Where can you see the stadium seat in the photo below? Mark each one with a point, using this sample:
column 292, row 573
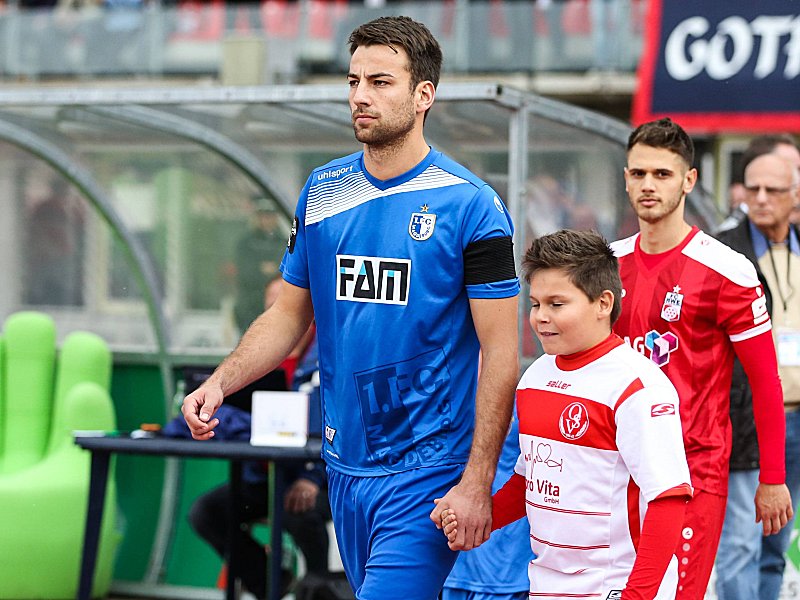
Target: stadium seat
column 44, row 477
column 280, row 18
column 576, row 18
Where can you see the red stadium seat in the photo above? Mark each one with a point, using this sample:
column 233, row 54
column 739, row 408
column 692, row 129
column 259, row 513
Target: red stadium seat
column 199, row 21
column 280, row 18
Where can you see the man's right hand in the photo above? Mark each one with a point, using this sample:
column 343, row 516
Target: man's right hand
column 198, row 409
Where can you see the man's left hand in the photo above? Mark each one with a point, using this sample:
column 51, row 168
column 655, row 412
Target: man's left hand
column 474, row 509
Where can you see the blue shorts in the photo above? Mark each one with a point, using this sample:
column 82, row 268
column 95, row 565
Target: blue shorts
column 457, row 594
column 390, row 548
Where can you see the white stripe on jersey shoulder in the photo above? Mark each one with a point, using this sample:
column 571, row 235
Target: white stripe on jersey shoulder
column 330, row 198
column 721, row 258
column 625, row 246
column 752, row 332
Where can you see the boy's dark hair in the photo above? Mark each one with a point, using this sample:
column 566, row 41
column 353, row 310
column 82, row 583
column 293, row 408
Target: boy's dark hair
column 585, row 257
column 424, row 53
column 664, row 133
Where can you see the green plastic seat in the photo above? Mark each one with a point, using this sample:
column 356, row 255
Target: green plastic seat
column 44, row 477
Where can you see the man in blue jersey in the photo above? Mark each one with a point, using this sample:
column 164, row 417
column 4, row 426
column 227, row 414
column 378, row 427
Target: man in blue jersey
column 405, row 260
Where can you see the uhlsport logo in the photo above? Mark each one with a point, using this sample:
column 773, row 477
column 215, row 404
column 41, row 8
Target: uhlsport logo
column 334, row 173
column 660, row 345
column 372, row 279
column 574, row 421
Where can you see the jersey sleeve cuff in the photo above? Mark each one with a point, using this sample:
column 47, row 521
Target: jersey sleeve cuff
column 296, row 281
column 499, row 289
column 683, row 489
column 772, row 477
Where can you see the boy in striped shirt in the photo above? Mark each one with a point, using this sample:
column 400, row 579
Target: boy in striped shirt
column 602, row 472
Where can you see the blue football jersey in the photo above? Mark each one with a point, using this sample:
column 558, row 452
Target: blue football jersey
column 398, row 352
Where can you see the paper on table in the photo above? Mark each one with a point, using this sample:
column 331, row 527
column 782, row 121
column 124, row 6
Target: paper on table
column 279, row 419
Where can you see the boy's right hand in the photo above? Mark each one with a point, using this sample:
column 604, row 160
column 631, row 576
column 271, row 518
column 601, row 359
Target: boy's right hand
column 199, row 407
column 450, row 526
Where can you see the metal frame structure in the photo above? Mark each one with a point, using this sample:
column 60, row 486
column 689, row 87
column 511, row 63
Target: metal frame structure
column 144, row 108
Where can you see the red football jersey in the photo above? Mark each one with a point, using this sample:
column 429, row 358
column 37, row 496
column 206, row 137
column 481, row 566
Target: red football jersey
column 684, row 309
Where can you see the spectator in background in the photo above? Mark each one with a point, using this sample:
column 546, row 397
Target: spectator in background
column 305, row 500
column 54, row 273
column 258, row 256
column 243, row 16
column 737, row 194
column 782, row 144
column 549, row 204
column 788, row 149
column 750, row 565
column 609, row 21
column 553, row 13
column 737, row 207
column 113, row 40
column 46, row 28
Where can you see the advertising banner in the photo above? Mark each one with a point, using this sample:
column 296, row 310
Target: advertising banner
column 715, row 66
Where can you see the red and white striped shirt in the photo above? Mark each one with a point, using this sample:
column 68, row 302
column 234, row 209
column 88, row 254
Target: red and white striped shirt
column 600, row 437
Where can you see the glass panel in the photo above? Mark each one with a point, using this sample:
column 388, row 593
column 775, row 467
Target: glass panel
column 575, row 180
column 57, row 256
column 207, row 190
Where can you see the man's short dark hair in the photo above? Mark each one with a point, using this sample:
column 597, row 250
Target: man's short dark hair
column 424, row 53
column 760, row 145
column 586, row 259
column 664, row 133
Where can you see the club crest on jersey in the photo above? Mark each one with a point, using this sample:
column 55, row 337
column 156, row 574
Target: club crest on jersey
column 671, row 310
column 421, row 226
column 574, row 421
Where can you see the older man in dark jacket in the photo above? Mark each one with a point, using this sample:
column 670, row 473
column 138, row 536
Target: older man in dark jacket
column 749, row 565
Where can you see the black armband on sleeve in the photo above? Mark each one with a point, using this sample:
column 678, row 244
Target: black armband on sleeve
column 489, row 261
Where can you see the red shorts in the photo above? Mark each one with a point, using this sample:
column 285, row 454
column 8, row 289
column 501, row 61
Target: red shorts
column 697, row 548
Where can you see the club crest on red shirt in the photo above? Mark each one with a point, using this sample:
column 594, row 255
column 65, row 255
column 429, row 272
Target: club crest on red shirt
column 671, row 309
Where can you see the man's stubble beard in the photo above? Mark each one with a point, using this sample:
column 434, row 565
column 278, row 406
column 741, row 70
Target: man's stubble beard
column 650, row 217
column 384, row 137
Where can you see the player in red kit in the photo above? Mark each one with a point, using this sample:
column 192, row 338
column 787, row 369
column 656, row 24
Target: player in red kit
column 688, row 303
